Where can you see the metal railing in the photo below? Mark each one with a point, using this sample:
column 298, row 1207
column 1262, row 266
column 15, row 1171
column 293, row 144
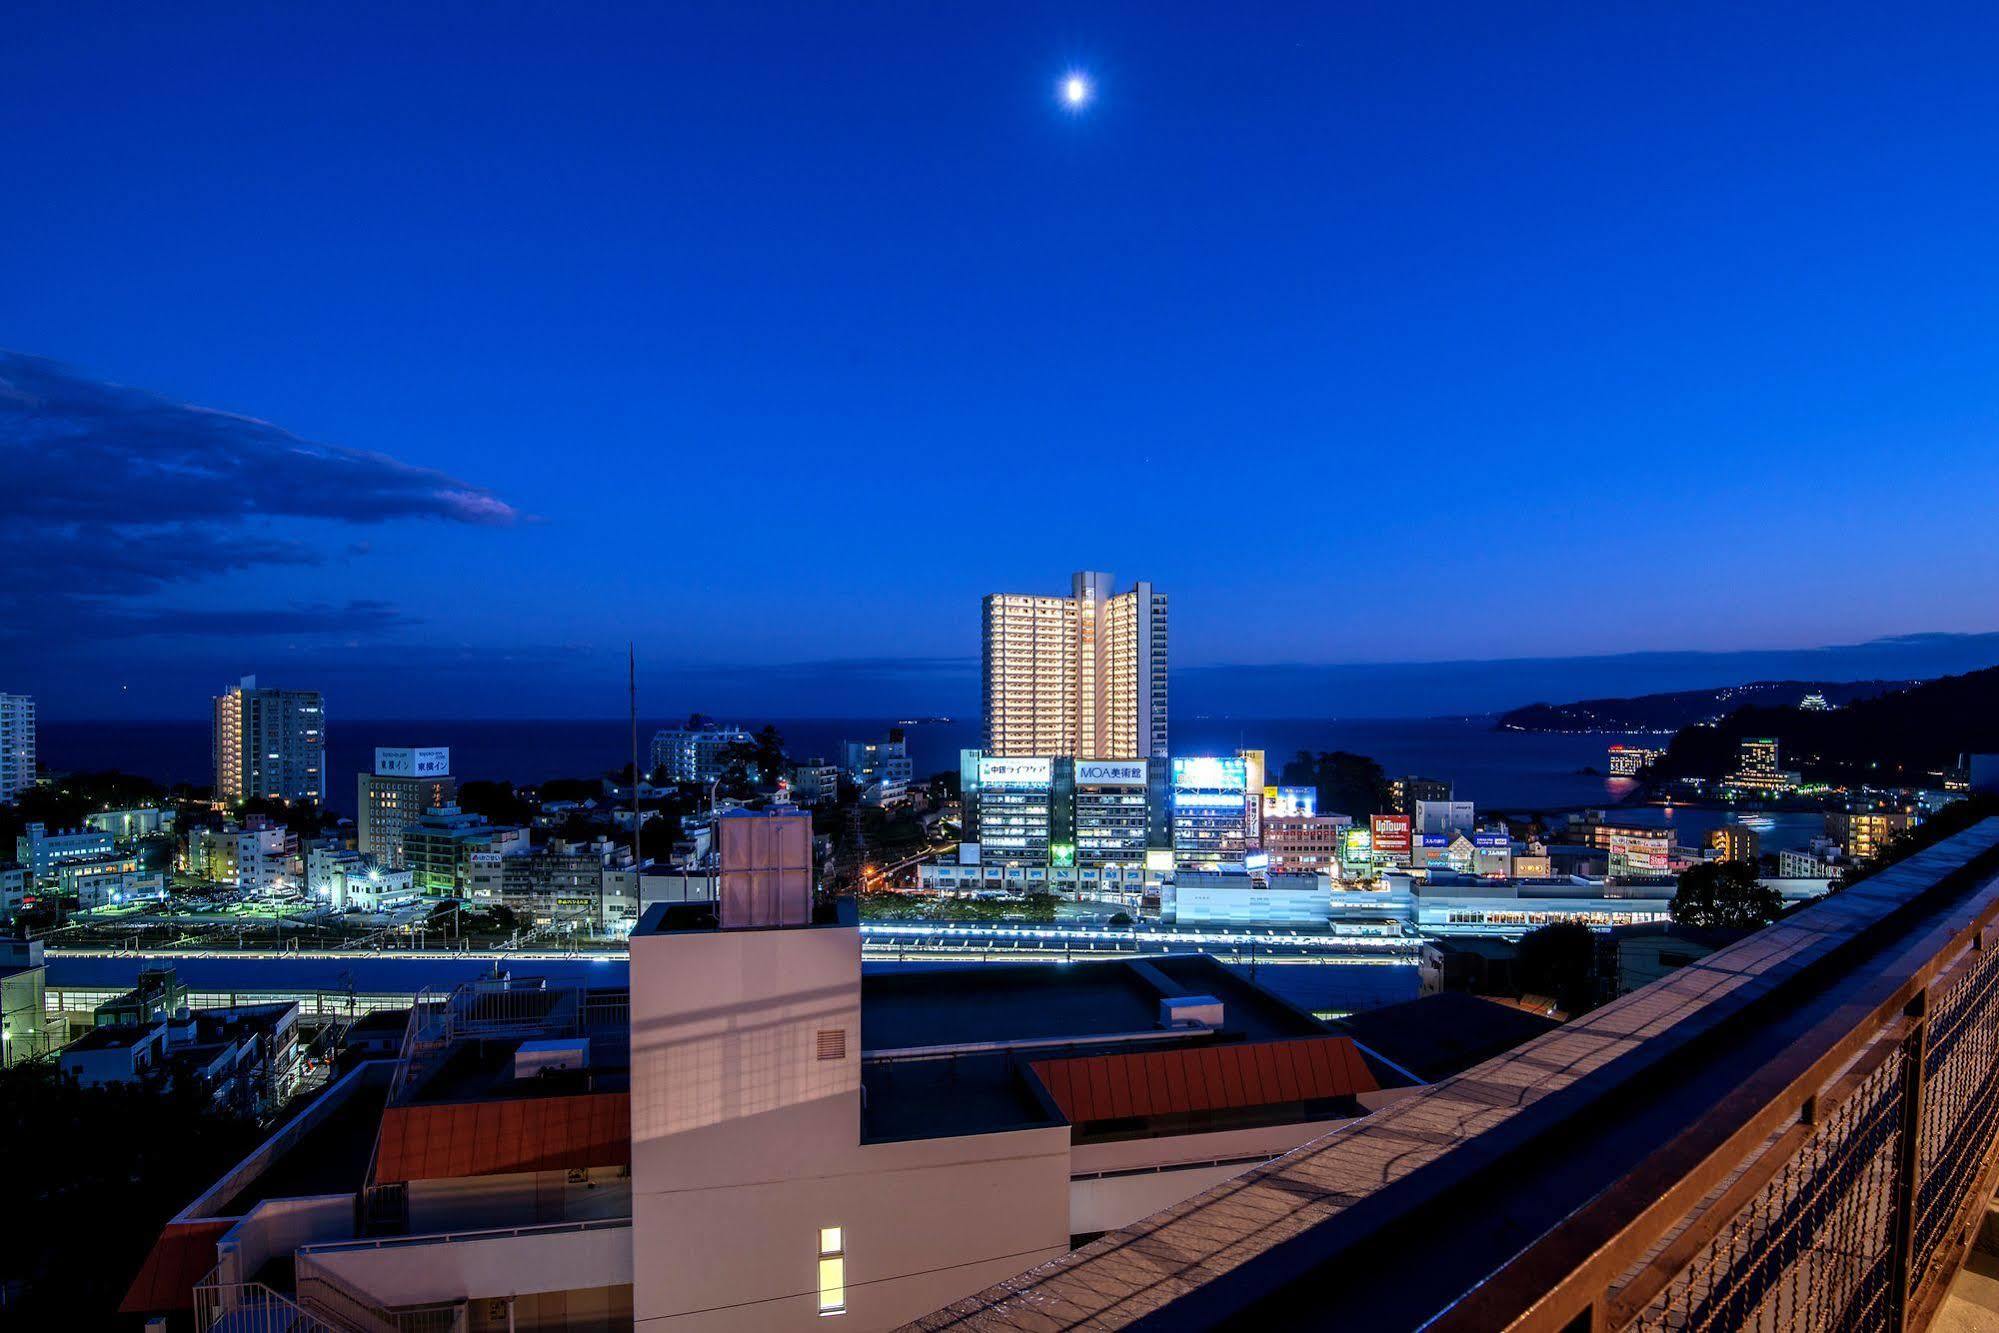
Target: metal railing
column 341, row 1304
column 253, row 1307
column 1800, row 1131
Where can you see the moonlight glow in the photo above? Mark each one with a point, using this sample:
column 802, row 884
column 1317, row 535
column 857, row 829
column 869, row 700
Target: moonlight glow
column 1076, row 91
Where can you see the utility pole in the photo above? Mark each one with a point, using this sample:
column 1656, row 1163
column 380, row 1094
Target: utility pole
column 632, row 664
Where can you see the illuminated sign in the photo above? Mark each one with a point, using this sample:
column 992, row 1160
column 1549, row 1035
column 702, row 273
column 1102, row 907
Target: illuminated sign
column 405, row 762
column 1158, row 860
column 1391, row 834
column 1491, row 840
column 1016, row 772
column 1111, row 772
column 1211, row 774
column 1356, row 842
column 1433, row 840
column 1290, row 802
column 1256, row 861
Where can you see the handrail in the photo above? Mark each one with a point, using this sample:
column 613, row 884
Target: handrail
column 451, row 1237
column 1795, row 1131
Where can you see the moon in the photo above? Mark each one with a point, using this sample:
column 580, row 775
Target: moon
column 1076, row 91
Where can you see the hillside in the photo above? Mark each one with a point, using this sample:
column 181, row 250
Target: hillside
column 1686, row 708
column 1891, row 739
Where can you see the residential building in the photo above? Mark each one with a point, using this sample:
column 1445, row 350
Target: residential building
column 695, row 754
column 1405, row 793
column 269, row 744
column 1084, row 674
column 881, row 769
column 247, row 1057
column 41, row 851
column 1794, row 864
column 815, row 781
column 1862, row 833
column 405, row 782
column 1733, row 842
column 13, row 889
column 17, row 745
column 438, row 847
column 258, row 856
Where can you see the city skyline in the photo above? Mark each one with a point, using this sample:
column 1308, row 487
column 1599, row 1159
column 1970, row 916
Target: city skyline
column 1481, row 340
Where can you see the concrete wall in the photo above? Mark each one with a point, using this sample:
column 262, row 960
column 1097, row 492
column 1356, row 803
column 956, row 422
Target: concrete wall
column 745, row 1142
column 415, row 1270
column 1116, row 1184
column 522, row 1199
column 278, row 1227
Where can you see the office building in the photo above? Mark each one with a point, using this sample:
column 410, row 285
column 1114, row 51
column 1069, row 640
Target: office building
column 40, row 852
column 27, row 1030
column 269, row 744
column 881, row 769
column 438, row 847
column 569, row 883
column 1119, row 812
column 1078, row 675
column 695, row 754
column 1304, row 843
column 1211, row 803
column 405, row 783
column 17, row 745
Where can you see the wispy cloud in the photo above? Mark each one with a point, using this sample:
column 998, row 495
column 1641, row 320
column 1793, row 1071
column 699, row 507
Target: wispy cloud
column 114, row 494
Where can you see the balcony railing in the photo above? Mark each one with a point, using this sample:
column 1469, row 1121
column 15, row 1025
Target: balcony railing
column 1796, row 1132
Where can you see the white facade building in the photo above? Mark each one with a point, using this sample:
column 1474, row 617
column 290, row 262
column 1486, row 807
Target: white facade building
column 17, row 745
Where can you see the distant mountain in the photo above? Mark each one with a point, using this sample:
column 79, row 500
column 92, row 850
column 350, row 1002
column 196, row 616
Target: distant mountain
column 1889, row 740
column 1686, row 708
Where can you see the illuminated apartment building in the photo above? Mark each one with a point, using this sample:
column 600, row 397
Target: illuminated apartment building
column 1078, row 675
column 17, row 745
column 270, row 743
column 1863, row 833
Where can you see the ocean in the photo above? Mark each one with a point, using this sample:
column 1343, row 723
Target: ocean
column 1499, row 770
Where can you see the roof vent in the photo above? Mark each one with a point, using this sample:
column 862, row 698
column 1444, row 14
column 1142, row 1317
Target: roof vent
column 1187, row 1011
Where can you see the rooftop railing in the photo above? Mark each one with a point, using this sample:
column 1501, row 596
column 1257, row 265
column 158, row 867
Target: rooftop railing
column 1800, row 1131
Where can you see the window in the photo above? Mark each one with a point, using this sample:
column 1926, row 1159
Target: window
column 832, row 1271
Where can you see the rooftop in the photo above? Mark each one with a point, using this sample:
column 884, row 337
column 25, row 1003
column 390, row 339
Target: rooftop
column 1439, row 1035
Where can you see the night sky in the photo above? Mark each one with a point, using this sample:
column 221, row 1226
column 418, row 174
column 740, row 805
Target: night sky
column 428, row 357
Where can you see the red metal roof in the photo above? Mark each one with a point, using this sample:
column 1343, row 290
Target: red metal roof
column 1204, row 1078
column 180, row 1258
column 492, row 1138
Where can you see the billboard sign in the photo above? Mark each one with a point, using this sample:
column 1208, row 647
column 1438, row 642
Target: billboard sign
column 1111, row 772
column 1290, row 802
column 1391, row 834
column 1016, row 772
column 1211, row 774
column 406, row 762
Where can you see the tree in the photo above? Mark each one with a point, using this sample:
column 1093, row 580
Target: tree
column 1726, row 894
column 1348, row 784
column 1559, row 961
column 769, row 746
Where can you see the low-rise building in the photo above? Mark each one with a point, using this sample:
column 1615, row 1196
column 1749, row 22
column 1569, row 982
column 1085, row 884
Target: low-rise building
column 881, row 769
column 41, row 851
column 259, row 856
column 130, row 825
column 246, row 1057
column 815, row 781
column 438, row 847
column 1302, row 843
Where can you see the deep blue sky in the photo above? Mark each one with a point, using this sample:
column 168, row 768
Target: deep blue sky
column 774, row 335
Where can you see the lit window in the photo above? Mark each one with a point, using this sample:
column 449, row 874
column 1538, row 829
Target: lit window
column 832, row 1271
